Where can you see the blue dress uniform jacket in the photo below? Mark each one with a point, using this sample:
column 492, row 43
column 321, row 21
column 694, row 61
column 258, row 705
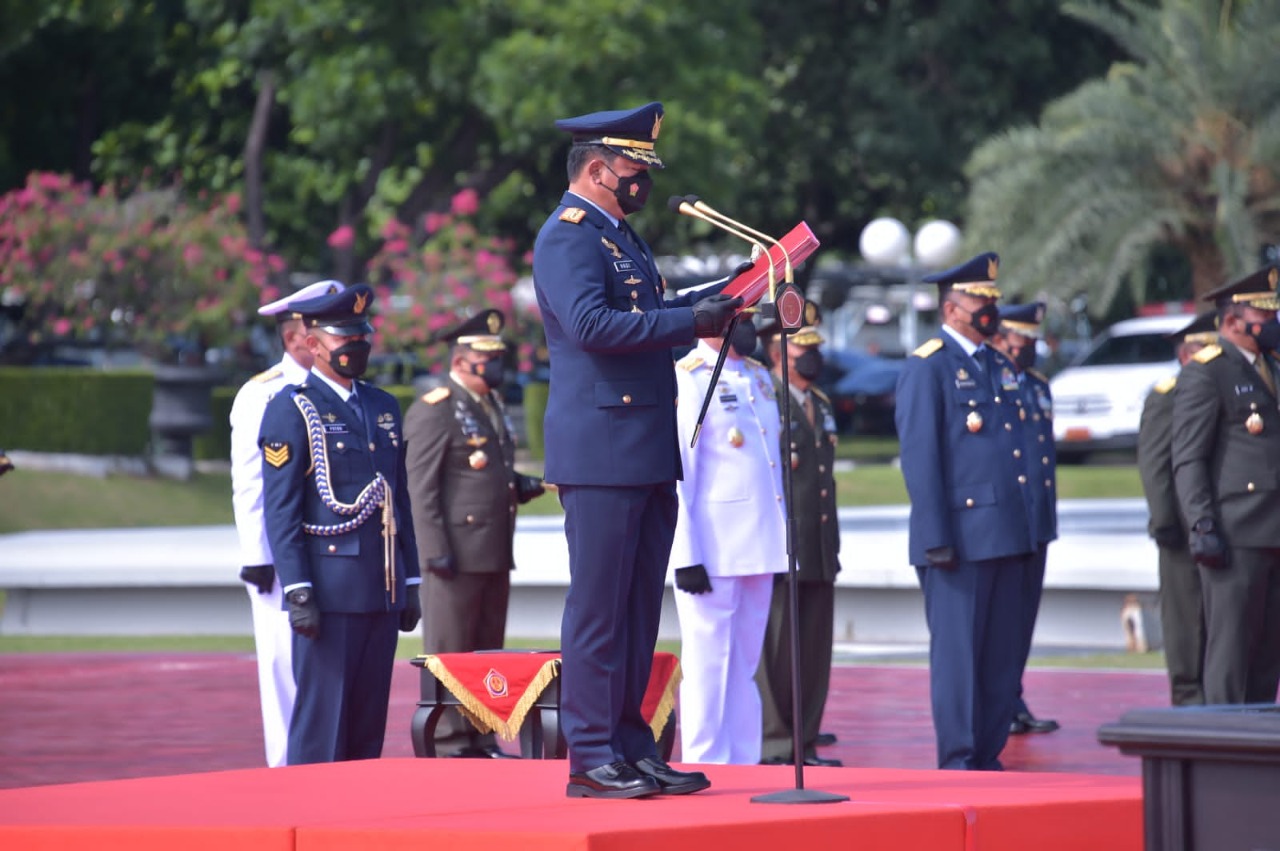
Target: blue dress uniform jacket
column 344, row 673
column 611, row 415
column 959, row 430
column 1041, row 455
column 611, row 447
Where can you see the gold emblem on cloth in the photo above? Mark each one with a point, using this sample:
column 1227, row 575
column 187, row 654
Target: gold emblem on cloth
column 478, row 460
column 736, row 438
column 973, row 422
column 1254, row 423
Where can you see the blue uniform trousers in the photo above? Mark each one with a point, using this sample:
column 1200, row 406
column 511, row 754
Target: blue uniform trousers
column 974, row 612
column 619, row 542
column 344, row 685
column 1031, row 591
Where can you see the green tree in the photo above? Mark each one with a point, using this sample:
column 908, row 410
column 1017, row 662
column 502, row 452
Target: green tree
column 1177, row 148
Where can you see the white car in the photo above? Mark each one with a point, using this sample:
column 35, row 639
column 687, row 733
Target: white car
column 1097, row 401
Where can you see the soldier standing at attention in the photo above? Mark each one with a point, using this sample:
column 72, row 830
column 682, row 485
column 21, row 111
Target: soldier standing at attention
column 816, row 541
column 1226, row 467
column 611, row 445
column 1181, row 603
column 338, row 521
column 1016, row 340
column 970, row 530
column 463, row 484
column 272, row 637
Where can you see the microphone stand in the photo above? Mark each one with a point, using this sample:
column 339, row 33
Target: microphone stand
column 715, row 379
column 799, row 794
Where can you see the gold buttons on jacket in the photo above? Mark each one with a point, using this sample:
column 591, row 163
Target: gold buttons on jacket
column 973, row 422
column 471, row 518
column 822, row 492
column 1017, row 453
column 333, row 548
column 1249, row 487
column 372, row 447
column 340, row 445
column 1022, row 480
column 968, row 503
column 626, row 399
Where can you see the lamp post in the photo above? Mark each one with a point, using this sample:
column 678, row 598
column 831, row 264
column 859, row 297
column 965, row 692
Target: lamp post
column 886, row 242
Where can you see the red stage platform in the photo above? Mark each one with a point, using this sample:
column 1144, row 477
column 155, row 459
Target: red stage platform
column 477, row 805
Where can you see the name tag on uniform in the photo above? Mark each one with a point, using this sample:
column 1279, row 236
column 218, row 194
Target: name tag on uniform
column 624, row 265
column 1242, row 389
column 965, row 384
column 336, row 428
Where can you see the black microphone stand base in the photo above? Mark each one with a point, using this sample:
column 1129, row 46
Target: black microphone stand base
column 799, row 796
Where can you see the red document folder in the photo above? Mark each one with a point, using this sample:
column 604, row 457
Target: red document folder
column 753, row 284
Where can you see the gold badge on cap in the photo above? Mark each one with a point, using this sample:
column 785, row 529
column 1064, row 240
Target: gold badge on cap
column 361, row 300
column 478, row 460
column 973, row 422
column 494, row 322
column 736, row 438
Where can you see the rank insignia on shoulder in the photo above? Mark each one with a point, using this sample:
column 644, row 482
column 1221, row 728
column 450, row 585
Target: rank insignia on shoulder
column 573, row 215
column 823, row 396
column 1038, row 375
column 928, row 347
column 276, row 454
column 1166, row 384
column 1207, row 354
column 436, row 396
column 690, row 362
column 267, row 375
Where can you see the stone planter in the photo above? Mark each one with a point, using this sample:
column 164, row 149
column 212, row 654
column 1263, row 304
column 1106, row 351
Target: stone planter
column 180, row 409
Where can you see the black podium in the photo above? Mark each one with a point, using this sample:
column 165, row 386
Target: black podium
column 1210, row 775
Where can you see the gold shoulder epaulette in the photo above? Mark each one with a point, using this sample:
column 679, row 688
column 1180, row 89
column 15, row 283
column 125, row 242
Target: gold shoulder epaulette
column 573, row 215
column 1164, row 385
column 755, row 362
column 436, row 396
column 1207, row 354
column 820, row 394
column 690, row 362
column 267, row 375
column 928, row 347
column 1035, row 373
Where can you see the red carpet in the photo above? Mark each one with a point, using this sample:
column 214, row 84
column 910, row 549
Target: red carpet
column 473, row 805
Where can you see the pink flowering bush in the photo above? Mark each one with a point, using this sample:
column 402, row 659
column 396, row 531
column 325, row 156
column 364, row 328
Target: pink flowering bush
column 431, row 279
column 144, row 269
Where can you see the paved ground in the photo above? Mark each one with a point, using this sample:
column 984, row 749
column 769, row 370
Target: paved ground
column 77, row 717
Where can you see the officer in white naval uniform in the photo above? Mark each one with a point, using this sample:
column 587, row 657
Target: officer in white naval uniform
column 730, row 541
column 272, row 636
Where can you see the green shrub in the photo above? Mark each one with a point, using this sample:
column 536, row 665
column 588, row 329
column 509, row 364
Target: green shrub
column 535, row 406
column 85, row 411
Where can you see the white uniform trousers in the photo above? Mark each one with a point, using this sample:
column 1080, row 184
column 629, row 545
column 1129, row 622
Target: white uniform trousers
column 273, row 640
column 721, row 637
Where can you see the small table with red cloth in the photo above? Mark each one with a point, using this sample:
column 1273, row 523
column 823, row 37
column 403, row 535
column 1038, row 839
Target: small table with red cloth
column 497, row 689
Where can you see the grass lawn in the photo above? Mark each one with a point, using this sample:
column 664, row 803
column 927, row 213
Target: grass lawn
column 31, row 499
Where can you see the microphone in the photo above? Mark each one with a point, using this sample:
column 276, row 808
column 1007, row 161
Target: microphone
column 788, row 301
column 686, row 208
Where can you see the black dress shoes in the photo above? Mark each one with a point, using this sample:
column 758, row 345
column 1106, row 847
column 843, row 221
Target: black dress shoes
column 615, row 780
column 823, row 740
column 483, row 752
column 1025, row 722
column 822, row 761
column 670, row 781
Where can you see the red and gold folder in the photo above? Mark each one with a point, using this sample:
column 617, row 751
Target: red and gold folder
column 753, row 284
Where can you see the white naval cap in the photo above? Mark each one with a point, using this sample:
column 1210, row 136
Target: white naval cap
column 315, row 290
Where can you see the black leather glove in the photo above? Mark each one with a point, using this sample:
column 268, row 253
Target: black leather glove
column 744, row 266
column 944, row 557
column 446, row 567
column 693, row 580
column 1207, row 547
column 412, row 611
column 1169, row 537
column 711, row 315
column 261, row 575
column 304, row 614
column 528, row 487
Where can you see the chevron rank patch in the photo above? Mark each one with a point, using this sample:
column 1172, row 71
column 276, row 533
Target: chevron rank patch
column 276, row 453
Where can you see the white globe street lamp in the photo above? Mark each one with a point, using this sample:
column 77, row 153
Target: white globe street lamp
column 886, row 242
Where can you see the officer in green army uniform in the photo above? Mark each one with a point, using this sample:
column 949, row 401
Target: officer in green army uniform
column 1181, row 604
column 464, row 488
column 816, row 541
column 1226, row 467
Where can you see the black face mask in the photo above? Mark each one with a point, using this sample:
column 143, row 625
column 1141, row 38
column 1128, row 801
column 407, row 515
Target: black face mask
column 809, row 365
column 350, row 360
column 490, row 371
column 632, row 192
column 744, row 338
column 1025, row 357
column 985, row 320
column 1267, row 334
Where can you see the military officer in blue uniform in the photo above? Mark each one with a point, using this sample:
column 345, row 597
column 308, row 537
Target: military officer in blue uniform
column 971, row 534
column 272, row 637
column 611, row 444
column 1016, row 340
column 1226, row 468
column 338, row 522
